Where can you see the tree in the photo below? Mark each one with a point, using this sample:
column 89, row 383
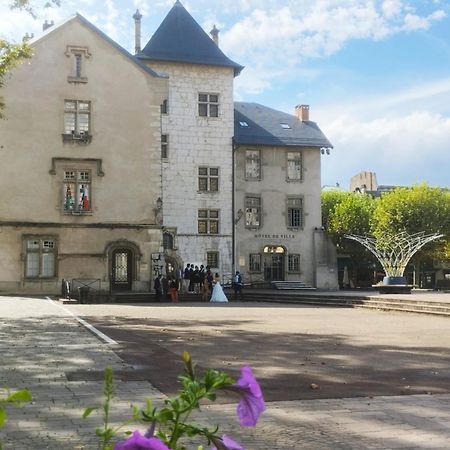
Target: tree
column 417, row 209
column 349, row 213
column 13, row 54
column 330, row 199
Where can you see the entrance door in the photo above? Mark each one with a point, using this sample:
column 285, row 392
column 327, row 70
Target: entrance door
column 121, row 269
column 273, row 263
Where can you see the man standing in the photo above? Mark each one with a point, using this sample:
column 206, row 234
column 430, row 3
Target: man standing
column 158, row 288
column 186, row 277
column 237, row 286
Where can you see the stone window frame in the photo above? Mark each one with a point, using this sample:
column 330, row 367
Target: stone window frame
column 208, row 179
column 255, row 262
column 81, row 181
column 253, row 156
column 61, row 165
column 208, row 104
column 79, row 54
column 43, row 248
column 252, row 207
column 293, row 265
column 78, row 132
column 295, row 212
column 296, row 159
column 212, row 259
column 208, row 221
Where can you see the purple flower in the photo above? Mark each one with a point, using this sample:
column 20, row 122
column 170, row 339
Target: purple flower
column 138, row 442
column 252, row 403
column 226, row 443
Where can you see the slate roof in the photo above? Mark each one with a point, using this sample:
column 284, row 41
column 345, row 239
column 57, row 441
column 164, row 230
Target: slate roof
column 264, row 128
column 180, row 38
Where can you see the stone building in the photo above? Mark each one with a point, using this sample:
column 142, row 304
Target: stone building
column 196, row 131
column 81, row 163
column 117, row 175
column 277, row 197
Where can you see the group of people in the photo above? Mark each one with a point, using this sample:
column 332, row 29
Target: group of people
column 196, row 280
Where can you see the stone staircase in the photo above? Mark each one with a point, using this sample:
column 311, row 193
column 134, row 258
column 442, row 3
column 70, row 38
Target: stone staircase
column 293, row 285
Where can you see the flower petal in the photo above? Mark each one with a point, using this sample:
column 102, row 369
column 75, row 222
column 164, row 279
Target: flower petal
column 138, row 442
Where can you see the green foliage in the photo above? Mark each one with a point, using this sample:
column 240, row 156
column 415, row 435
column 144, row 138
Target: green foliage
column 16, row 398
column 171, row 422
column 417, row 209
column 330, row 199
column 351, row 216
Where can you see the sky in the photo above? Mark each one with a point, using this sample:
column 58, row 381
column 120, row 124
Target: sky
column 376, row 73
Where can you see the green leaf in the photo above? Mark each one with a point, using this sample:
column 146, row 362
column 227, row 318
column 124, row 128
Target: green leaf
column 2, row 416
column 23, row 395
column 88, row 411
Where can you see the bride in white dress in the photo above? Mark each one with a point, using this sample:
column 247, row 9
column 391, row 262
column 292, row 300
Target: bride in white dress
column 218, row 296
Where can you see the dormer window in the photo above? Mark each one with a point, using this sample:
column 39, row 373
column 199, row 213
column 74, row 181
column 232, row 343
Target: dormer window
column 285, row 126
column 78, row 55
column 243, row 124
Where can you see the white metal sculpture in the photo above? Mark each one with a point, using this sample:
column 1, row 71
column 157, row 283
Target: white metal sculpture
column 395, row 251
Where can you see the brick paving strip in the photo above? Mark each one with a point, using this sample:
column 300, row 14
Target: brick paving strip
column 42, row 348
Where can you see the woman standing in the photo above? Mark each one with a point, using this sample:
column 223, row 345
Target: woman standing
column 218, row 296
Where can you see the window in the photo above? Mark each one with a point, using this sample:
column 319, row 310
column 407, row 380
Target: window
column 252, row 212
column 285, row 126
column 77, row 117
column 252, row 164
column 164, row 107
column 295, row 212
column 77, row 191
column 208, row 221
column 208, row 179
column 254, row 262
column 164, row 146
column 293, row 263
column 168, row 241
column 208, row 105
column 294, row 166
column 78, row 56
column 212, row 259
column 40, row 257
column 243, row 124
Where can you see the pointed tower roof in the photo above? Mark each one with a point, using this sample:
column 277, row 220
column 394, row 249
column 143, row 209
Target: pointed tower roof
column 180, row 38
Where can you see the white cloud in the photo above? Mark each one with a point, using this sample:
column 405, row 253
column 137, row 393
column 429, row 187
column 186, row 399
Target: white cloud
column 403, row 150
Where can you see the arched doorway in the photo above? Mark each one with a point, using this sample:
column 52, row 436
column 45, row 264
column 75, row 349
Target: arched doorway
column 122, row 263
column 122, row 269
column 274, row 260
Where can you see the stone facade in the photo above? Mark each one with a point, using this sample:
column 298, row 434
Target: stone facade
column 272, row 247
column 45, row 234
column 193, row 142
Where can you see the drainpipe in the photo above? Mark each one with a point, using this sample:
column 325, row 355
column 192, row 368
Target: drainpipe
column 234, row 147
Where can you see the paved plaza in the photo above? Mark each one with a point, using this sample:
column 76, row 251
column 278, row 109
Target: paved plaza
column 382, row 380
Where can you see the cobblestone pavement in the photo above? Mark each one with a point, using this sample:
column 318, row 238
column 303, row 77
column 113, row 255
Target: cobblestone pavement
column 47, row 350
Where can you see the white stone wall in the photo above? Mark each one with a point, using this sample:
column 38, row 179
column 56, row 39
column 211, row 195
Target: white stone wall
column 197, row 141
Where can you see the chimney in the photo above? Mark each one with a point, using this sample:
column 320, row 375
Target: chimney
column 302, row 112
column 215, row 35
column 27, row 37
column 137, row 31
column 47, row 25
